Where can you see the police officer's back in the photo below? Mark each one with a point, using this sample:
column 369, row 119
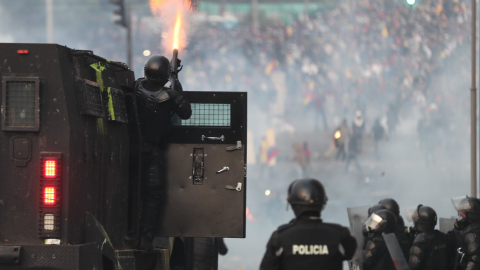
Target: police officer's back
column 307, row 242
column 430, row 247
column 376, row 255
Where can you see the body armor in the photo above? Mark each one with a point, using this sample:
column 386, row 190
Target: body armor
column 376, row 255
column 156, row 108
column 429, row 251
column 469, row 254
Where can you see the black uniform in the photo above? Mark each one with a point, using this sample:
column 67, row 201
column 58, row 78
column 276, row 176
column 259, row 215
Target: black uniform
column 429, row 251
column 155, row 109
column 470, row 245
column 308, row 243
column 376, row 255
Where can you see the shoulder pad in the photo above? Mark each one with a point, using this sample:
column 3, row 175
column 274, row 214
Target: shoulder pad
column 472, row 243
column 470, row 238
column 474, row 227
column 420, row 238
column 286, row 226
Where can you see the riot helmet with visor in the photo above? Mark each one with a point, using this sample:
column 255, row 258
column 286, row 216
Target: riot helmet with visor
column 468, row 209
column 423, row 217
column 391, row 205
column 383, row 221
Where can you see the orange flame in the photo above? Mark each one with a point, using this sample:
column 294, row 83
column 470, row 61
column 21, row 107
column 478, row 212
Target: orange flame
column 176, row 32
column 338, row 134
column 172, row 15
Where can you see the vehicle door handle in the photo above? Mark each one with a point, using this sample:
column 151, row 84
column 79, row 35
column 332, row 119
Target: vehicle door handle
column 237, row 188
column 224, row 169
column 221, row 138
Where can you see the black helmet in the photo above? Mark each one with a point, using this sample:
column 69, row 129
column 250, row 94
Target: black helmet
column 157, row 69
column 375, row 209
column 306, row 195
column 391, row 205
column 424, row 218
column 467, row 207
column 383, row 221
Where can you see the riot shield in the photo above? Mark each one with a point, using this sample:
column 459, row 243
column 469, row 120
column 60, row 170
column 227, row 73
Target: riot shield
column 206, row 172
column 447, row 224
column 395, row 251
column 357, row 217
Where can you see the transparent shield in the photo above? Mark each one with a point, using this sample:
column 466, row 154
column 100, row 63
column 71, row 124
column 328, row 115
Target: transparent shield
column 395, row 251
column 374, row 221
column 447, row 224
column 411, row 213
column 357, row 217
column 461, row 204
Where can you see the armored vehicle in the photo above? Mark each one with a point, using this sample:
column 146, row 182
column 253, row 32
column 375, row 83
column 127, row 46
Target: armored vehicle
column 69, row 167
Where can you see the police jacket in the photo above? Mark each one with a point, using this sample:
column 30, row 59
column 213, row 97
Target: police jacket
column 429, row 251
column 376, row 255
column 156, row 108
column 308, row 243
column 470, row 246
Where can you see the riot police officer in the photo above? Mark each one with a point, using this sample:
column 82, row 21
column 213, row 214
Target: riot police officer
column 307, row 242
column 156, row 105
column 467, row 232
column 404, row 239
column 367, row 233
column 375, row 255
column 429, row 250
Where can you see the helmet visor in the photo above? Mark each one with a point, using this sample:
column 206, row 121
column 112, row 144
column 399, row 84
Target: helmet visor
column 374, row 221
column 411, row 214
column 461, row 204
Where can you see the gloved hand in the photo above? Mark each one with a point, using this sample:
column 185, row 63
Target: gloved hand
column 176, row 96
column 179, row 67
column 178, row 86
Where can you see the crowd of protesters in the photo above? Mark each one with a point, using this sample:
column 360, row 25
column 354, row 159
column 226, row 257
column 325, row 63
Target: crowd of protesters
column 337, row 60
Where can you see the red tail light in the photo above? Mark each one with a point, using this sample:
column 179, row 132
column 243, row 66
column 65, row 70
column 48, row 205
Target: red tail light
column 50, row 189
column 50, row 168
column 49, row 196
column 23, row 52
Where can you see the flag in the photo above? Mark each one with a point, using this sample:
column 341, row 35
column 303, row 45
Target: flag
column 272, row 153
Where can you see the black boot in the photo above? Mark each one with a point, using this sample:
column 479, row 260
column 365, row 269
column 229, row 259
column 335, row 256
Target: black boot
column 146, row 240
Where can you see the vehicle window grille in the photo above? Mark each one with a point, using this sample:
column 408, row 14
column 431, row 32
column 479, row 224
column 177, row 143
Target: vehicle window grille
column 20, row 104
column 119, row 109
column 90, row 99
column 207, row 114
